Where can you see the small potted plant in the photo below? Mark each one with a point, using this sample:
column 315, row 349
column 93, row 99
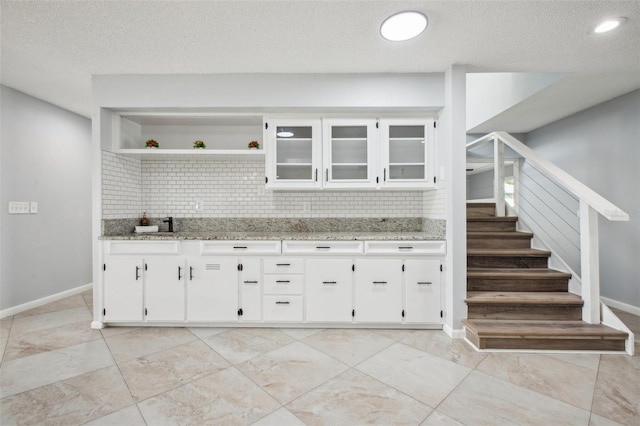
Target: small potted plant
column 151, row 143
column 254, row 145
column 199, row 145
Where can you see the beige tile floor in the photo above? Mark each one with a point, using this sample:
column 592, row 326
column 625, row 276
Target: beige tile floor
column 56, row 370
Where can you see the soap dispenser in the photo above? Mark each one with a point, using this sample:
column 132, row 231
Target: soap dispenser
column 144, row 221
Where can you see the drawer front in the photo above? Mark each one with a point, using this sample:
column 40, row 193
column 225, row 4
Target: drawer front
column 283, row 308
column 143, row 247
column 283, row 266
column 240, row 247
column 282, row 284
column 322, row 247
column 405, row 247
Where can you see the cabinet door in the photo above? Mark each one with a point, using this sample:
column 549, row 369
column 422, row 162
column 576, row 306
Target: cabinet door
column 164, row 288
column 123, row 289
column 293, row 153
column 212, row 289
column 251, row 290
column 408, row 153
column 329, row 290
column 422, row 291
column 378, row 290
column 349, row 153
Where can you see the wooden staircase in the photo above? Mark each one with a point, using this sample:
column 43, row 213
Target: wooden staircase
column 514, row 300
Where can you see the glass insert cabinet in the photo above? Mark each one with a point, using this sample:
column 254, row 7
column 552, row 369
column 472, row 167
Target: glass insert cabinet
column 293, row 153
column 349, row 153
column 349, row 148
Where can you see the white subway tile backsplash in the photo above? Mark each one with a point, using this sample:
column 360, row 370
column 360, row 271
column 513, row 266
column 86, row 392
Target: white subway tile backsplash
column 236, row 189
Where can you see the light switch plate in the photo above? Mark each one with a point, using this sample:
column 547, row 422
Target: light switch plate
column 18, row 207
column 34, row 207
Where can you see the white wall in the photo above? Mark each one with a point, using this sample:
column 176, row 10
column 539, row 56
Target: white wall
column 601, row 147
column 489, row 94
column 46, row 153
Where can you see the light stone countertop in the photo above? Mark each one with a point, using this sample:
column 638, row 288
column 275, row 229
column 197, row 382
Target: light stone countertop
column 303, row 236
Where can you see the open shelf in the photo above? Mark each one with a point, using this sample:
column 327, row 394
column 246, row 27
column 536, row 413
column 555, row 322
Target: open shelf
column 196, row 154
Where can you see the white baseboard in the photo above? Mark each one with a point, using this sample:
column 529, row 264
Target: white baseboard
column 635, row 310
column 36, row 303
column 454, row 333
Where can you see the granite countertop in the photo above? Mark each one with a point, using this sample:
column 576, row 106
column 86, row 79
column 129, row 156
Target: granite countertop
column 309, row 236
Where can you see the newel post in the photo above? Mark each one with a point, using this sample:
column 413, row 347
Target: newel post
column 498, row 176
column 589, row 263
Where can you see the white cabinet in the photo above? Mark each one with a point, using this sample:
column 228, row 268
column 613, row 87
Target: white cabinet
column 283, row 289
column 250, row 290
column 123, row 289
column 378, row 290
column 313, row 282
column 349, row 153
column 164, row 288
column 293, row 153
column 212, row 289
column 407, row 153
column 422, row 291
column 329, row 290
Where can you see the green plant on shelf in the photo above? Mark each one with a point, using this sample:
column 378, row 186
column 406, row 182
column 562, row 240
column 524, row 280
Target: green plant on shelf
column 151, row 143
column 199, row 145
column 254, row 145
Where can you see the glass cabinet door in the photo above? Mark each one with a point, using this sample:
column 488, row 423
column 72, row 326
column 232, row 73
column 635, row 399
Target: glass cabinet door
column 294, row 154
column 407, row 153
column 349, row 152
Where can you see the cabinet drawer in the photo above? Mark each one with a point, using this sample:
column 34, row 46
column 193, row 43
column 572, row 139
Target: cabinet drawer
column 283, row 266
column 282, row 308
column 322, row 247
column 282, row 284
column 143, row 247
column 240, row 247
column 405, row 247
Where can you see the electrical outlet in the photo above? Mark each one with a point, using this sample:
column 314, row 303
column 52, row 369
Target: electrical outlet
column 33, row 207
column 18, row 207
column 199, row 205
column 306, row 206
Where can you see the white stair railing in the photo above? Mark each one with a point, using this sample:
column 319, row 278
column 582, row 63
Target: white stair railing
column 591, row 204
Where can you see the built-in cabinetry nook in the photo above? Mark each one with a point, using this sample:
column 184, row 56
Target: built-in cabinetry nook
column 339, row 283
column 299, row 153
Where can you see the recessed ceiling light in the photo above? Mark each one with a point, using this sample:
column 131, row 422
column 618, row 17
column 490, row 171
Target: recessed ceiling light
column 403, row 26
column 608, row 25
column 284, row 134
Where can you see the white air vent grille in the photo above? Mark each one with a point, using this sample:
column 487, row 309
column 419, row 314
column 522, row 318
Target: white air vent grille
column 212, row 267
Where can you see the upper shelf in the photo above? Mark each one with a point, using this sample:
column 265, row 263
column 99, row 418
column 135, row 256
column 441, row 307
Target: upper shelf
column 225, row 136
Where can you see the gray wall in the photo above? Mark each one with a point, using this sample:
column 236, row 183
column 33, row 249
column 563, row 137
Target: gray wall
column 45, row 157
column 601, row 147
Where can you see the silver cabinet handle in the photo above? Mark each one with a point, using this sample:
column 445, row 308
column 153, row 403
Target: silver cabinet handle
column 379, row 282
column 424, row 283
column 251, row 282
column 282, row 303
column 329, row 282
column 283, row 281
column 283, row 264
column 323, row 247
column 240, row 247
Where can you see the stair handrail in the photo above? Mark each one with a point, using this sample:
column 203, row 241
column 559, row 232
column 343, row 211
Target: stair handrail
column 603, row 206
column 590, row 203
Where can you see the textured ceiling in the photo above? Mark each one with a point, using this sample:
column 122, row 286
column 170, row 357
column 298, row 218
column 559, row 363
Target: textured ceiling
column 51, row 49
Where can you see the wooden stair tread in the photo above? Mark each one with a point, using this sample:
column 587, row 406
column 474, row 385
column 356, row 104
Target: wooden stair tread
column 480, row 204
column 521, row 252
column 492, row 218
column 485, row 328
column 499, row 234
column 515, row 273
column 523, row 298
